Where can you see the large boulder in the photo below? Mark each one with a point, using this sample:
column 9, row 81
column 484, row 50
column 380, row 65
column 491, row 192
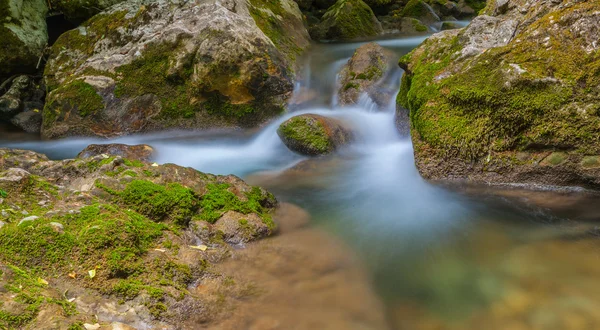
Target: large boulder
column 147, row 65
column 80, row 10
column 314, row 135
column 347, row 20
column 512, row 98
column 23, row 35
column 364, row 73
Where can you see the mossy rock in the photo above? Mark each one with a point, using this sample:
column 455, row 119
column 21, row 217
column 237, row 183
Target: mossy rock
column 313, row 135
column 536, row 91
column 116, row 231
column 420, row 10
column 24, row 35
column 347, row 20
column 235, row 75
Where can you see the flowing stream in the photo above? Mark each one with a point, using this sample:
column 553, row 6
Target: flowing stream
column 461, row 258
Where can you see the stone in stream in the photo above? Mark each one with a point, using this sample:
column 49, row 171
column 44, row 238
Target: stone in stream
column 512, row 98
column 364, row 73
column 314, row 135
column 142, row 152
column 147, row 65
column 347, row 20
column 420, row 10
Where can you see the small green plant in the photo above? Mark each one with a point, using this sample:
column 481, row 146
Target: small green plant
column 3, row 194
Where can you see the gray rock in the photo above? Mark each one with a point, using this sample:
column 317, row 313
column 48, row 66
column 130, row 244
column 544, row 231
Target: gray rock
column 217, row 67
column 58, row 227
column 11, row 102
column 364, row 74
column 142, row 152
column 486, row 32
column 29, row 121
column 28, row 219
column 238, row 228
column 24, row 35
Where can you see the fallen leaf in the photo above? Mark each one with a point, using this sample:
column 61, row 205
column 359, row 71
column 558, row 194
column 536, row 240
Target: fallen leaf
column 73, row 275
column 92, row 273
column 160, row 250
column 155, row 165
column 42, row 281
column 199, row 247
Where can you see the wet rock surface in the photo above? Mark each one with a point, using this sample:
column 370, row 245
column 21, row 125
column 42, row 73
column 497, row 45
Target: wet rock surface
column 364, row 74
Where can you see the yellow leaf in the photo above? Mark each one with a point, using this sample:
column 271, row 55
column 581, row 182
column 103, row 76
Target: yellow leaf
column 42, row 281
column 199, row 247
column 92, row 273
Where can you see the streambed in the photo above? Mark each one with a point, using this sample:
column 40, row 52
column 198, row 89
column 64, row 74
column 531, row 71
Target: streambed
column 428, row 257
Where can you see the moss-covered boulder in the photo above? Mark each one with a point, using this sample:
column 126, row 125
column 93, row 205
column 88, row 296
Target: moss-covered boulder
column 23, row 35
column 314, row 135
column 347, row 20
column 80, row 10
column 420, row 10
column 108, row 239
column 148, row 65
column 364, row 74
column 511, row 98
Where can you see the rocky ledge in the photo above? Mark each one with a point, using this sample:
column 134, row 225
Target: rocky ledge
column 108, row 240
column 512, row 98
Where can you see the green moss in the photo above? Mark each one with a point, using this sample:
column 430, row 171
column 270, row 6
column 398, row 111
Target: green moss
column 590, row 162
column 76, row 96
column 420, row 27
column 489, row 106
column 414, row 8
column 273, row 20
column 556, row 158
column 308, row 131
column 158, row 202
column 351, row 85
column 349, row 19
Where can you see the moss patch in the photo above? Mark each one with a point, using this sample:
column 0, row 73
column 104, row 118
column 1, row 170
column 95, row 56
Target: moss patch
column 307, row 132
column 349, row 19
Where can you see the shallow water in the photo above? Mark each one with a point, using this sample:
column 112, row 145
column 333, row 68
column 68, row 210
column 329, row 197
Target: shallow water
column 464, row 258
